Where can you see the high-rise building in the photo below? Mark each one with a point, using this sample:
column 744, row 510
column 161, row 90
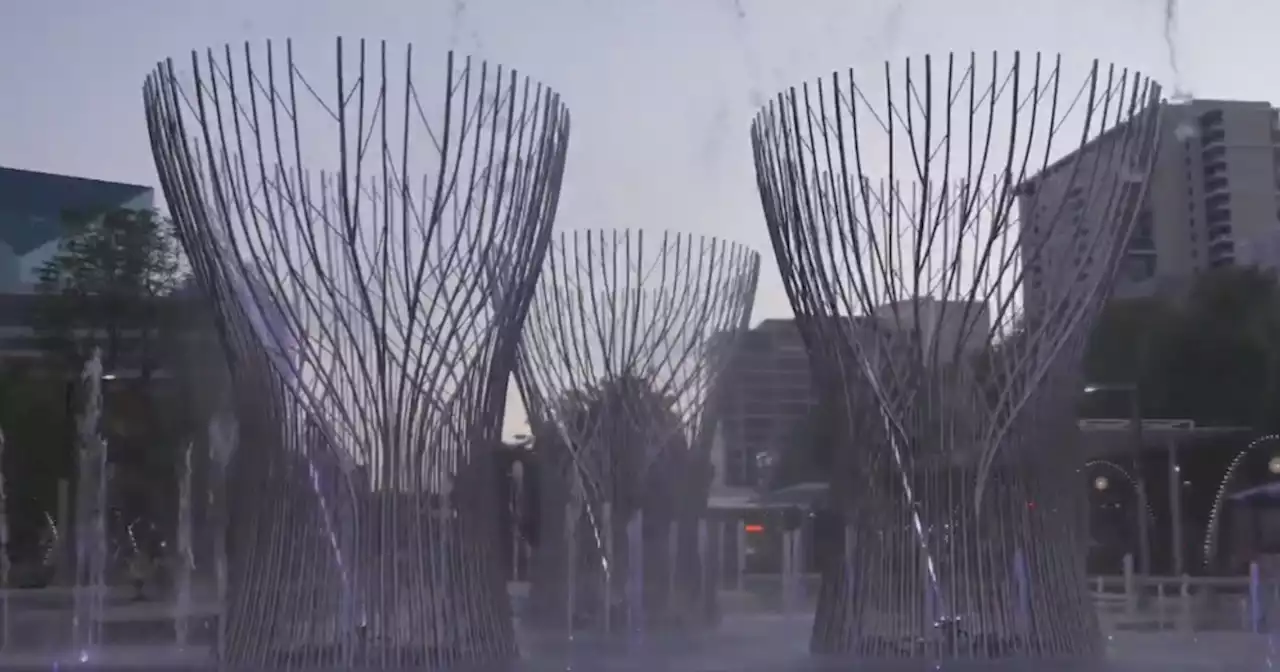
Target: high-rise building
column 1213, row 200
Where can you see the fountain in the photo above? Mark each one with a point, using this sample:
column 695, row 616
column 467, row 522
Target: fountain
column 223, row 440
column 91, row 534
column 186, row 560
column 4, row 555
column 635, row 576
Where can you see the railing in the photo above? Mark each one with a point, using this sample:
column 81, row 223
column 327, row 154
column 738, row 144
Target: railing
column 1125, row 603
column 1185, row 603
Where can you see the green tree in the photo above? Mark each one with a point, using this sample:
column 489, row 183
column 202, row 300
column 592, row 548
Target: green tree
column 1128, row 344
column 1220, row 366
column 33, row 420
column 109, row 286
column 632, row 444
column 1213, row 356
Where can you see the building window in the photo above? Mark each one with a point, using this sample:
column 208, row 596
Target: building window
column 1139, row 268
column 1211, row 118
column 1215, row 184
column 1217, row 216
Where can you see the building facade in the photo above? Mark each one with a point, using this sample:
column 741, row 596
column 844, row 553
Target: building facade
column 33, row 210
column 1213, row 200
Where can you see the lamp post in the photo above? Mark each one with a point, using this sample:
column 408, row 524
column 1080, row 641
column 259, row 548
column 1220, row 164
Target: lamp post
column 1139, row 481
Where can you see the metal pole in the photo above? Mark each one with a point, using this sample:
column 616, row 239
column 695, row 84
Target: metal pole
column 1175, row 508
column 1144, row 534
column 740, row 553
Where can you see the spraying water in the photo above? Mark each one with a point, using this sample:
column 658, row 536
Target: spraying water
column 635, row 577
column 186, row 560
column 91, row 532
column 1171, row 48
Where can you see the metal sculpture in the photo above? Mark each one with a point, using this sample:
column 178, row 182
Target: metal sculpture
column 370, row 349
column 625, row 337
column 945, row 307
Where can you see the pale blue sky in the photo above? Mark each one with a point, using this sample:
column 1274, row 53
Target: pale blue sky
column 661, row 91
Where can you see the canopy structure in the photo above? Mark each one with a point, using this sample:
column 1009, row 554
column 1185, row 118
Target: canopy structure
column 1108, row 437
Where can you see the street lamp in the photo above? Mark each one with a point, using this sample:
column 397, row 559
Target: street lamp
column 1135, row 424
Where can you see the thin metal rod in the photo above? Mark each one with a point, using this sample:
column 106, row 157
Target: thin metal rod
column 944, row 304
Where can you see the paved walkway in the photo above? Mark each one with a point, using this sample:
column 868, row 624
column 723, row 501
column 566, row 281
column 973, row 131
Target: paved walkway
column 745, row 642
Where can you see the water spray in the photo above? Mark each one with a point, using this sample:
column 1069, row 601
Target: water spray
column 1180, row 92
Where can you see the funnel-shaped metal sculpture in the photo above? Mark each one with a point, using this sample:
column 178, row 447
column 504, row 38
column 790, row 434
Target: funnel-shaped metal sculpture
column 945, row 305
column 342, row 226
column 625, row 338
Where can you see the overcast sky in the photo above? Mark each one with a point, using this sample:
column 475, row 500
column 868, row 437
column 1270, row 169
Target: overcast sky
column 661, row 91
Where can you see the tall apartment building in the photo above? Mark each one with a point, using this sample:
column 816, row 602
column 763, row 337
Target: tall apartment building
column 1213, row 200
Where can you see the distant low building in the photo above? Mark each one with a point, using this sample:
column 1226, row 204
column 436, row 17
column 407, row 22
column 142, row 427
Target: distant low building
column 33, row 210
column 33, row 207
column 764, row 391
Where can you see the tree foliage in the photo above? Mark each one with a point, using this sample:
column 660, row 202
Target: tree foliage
column 103, row 285
column 624, row 427
column 109, row 286
column 1213, row 356
column 35, row 426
